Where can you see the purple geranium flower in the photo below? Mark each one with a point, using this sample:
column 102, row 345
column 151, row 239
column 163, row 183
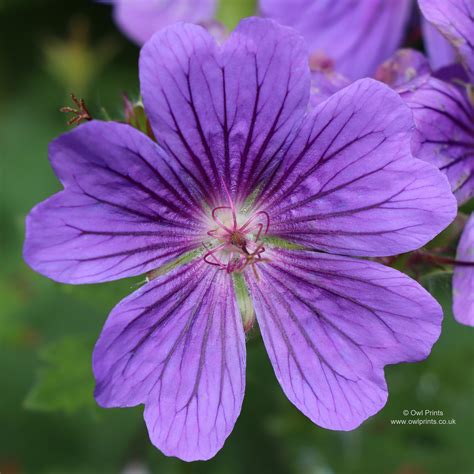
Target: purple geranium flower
column 442, row 103
column 140, row 19
column 240, row 166
column 357, row 34
column 454, row 19
column 443, row 109
column 444, row 118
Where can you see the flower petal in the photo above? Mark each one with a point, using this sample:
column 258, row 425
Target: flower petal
column 406, row 70
column 349, row 183
column 123, row 212
column 140, row 19
column 330, row 324
column 444, row 119
column 177, row 345
column 371, row 30
column 225, row 112
column 454, row 19
column 324, row 84
column 463, row 278
column 440, row 51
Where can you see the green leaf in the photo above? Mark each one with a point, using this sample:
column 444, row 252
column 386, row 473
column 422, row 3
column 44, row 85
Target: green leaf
column 65, row 383
column 439, row 284
column 468, row 207
column 231, row 12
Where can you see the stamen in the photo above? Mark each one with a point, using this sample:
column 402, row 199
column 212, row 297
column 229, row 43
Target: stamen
column 79, row 114
column 238, row 247
column 231, row 204
column 255, row 216
column 211, row 253
column 219, row 222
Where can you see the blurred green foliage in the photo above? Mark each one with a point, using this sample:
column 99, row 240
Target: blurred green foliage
column 49, row 421
column 230, row 12
column 65, row 384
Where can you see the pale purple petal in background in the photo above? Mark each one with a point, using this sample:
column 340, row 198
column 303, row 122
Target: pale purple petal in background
column 405, row 70
column 177, row 345
column 123, row 211
column 357, row 34
column 444, row 118
column 140, row 19
column 463, row 278
column 454, row 19
column 349, row 183
column 330, row 324
column 325, row 83
column 226, row 112
column 217, row 29
column 439, row 50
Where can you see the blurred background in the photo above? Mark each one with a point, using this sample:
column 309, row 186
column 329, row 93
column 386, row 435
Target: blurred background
column 49, row 422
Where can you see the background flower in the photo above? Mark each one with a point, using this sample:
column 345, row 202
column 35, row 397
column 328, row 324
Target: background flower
column 372, row 29
column 453, row 19
column 438, row 49
column 444, row 108
column 442, row 102
column 139, row 19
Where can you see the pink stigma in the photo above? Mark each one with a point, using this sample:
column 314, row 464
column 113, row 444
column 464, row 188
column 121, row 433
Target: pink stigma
column 238, row 245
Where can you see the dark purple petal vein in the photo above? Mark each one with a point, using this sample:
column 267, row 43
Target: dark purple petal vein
column 225, row 112
column 349, row 183
column 444, row 119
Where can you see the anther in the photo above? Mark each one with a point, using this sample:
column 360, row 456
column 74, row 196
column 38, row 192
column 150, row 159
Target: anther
column 79, row 114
